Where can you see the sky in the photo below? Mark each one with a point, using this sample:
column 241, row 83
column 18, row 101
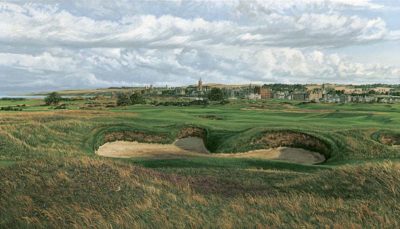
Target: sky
column 48, row 45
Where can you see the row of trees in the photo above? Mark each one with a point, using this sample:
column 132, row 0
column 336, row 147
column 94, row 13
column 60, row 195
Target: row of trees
column 216, row 94
column 124, row 99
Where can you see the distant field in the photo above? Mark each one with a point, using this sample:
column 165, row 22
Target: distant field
column 51, row 176
column 91, row 92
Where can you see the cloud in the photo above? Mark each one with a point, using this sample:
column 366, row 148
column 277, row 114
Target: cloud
column 297, row 66
column 52, row 27
column 62, row 44
column 257, row 8
column 394, row 35
column 41, row 63
column 92, row 68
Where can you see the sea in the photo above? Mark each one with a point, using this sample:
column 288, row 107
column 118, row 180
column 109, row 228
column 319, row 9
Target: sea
column 23, row 96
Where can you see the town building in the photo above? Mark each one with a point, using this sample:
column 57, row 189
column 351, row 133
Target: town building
column 315, row 95
column 382, row 90
column 200, row 85
column 282, row 95
column 253, row 96
column 265, row 93
column 311, row 87
column 299, row 96
column 357, row 91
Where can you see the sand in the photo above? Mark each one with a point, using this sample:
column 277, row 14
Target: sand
column 194, row 147
column 295, row 155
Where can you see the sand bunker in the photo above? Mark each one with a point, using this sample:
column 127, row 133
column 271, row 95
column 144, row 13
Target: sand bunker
column 194, row 147
column 295, row 155
column 191, row 146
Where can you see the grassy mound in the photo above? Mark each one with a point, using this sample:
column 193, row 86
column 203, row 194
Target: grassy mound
column 273, row 139
column 88, row 192
column 191, row 131
column 112, row 133
column 134, row 136
column 257, row 138
column 355, row 182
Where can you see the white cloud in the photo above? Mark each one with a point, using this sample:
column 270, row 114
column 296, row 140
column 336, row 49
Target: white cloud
column 297, row 66
column 122, row 67
column 41, row 63
column 394, row 35
column 48, row 26
column 63, row 44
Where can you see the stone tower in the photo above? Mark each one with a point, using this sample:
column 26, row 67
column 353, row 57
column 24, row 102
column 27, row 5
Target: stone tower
column 200, row 85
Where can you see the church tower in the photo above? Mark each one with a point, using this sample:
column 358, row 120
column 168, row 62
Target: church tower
column 200, row 85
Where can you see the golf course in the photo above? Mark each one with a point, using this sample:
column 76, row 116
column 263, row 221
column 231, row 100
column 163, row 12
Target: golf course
column 242, row 164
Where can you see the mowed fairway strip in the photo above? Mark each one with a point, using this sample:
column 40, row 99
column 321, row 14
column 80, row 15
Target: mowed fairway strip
column 194, row 147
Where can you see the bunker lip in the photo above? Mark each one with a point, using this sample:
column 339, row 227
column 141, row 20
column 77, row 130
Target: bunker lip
column 390, row 139
column 194, row 147
column 292, row 139
column 192, row 131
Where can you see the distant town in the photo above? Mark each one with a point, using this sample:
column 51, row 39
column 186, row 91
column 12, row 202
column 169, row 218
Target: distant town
column 318, row 93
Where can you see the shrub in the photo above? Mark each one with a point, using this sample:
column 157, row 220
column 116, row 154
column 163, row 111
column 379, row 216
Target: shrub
column 52, row 99
column 123, row 99
column 223, row 102
column 61, row 106
column 181, row 103
column 200, row 102
column 10, row 108
column 216, row 94
column 136, row 98
column 12, row 99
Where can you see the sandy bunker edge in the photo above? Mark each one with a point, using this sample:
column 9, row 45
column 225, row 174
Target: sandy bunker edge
column 195, row 147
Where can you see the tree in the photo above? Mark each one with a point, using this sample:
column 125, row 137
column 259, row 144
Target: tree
column 257, row 90
column 52, row 99
column 216, row 94
column 123, row 99
column 136, row 98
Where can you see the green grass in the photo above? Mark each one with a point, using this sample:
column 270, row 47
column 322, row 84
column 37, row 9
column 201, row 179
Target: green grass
column 52, row 178
column 6, row 163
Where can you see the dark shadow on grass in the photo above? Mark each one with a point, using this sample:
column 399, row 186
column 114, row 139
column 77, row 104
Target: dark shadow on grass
column 225, row 163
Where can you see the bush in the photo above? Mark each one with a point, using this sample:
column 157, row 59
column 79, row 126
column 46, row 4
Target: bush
column 216, row 94
column 223, row 102
column 182, row 104
column 61, row 106
column 12, row 99
column 10, row 108
column 136, row 98
column 200, row 102
column 123, row 99
column 52, row 99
